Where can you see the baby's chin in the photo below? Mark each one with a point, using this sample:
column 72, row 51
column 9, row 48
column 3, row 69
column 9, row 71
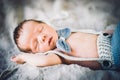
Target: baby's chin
column 43, row 51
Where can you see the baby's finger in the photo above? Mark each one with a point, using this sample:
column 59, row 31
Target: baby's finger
column 13, row 58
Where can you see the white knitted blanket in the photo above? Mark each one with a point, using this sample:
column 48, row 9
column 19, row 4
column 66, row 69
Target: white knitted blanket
column 97, row 15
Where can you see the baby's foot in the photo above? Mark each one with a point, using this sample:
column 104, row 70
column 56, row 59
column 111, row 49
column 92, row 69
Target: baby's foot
column 18, row 59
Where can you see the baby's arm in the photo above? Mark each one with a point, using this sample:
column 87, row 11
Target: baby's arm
column 37, row 59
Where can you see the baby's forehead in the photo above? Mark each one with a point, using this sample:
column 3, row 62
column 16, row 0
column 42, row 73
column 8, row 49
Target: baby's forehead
column 33, row 23
column 29, row 23
column 29, row 28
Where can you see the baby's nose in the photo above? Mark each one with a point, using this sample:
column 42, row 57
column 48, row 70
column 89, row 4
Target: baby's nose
column 42, row 38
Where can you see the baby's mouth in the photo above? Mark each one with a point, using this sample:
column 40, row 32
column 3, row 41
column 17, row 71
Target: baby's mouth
column 50, row 40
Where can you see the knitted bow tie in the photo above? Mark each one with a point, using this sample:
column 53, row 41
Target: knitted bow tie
column 61, row 44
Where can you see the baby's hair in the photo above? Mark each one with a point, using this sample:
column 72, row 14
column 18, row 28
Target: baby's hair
column 17, row 31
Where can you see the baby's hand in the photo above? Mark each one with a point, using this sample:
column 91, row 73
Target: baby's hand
column 18, row 59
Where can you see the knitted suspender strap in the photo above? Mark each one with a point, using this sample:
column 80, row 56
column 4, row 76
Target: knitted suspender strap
column 102, row 61
column 71, row 57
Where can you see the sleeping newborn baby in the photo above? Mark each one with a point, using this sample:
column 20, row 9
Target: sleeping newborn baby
column 35, row 37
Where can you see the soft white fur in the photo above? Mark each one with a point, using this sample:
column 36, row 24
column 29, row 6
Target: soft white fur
column 85, row 15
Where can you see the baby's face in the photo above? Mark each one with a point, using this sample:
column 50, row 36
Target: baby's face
column 37, row 37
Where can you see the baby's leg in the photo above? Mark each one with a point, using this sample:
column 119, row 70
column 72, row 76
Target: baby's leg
column 115, row 43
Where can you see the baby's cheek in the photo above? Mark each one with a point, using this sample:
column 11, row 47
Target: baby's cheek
column 44, row 48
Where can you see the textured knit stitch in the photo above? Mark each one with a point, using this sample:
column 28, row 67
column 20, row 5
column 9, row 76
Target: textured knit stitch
column 104, row 51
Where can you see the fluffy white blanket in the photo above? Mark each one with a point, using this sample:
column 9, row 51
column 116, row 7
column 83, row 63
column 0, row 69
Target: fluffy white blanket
column 90, row 15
